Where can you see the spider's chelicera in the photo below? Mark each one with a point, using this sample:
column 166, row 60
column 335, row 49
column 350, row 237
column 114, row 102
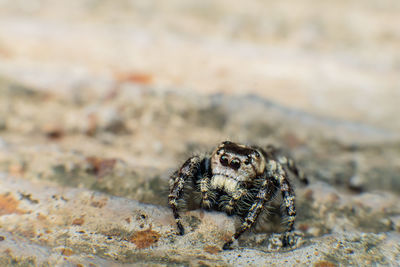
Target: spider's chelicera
column 237, row 179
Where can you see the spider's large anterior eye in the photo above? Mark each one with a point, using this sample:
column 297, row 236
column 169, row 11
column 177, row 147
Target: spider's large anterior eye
column 224, row 160
column 235, row 164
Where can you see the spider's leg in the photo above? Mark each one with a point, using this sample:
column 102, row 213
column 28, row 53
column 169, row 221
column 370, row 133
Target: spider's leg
column 287, row 195
column 178, row 180
column 288, row 162
column 288, row 202
column 265, row 192
column 291, row 165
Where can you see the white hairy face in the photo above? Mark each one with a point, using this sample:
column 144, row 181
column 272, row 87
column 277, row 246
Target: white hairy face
column 233, row 163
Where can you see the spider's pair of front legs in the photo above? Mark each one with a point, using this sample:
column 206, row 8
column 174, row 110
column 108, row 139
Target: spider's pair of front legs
column 237, row 159
column 274, row 178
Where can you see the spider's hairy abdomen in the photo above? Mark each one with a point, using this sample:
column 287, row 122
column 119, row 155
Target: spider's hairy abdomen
column 236, row 179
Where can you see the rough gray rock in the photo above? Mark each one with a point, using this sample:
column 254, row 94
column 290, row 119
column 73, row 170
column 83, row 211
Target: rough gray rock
column 50, row 200
column 101, row 100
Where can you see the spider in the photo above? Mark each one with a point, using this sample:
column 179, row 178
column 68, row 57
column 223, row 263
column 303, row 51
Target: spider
column 236, row 179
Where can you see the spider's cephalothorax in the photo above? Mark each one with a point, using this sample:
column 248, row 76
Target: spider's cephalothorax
column 236, row 179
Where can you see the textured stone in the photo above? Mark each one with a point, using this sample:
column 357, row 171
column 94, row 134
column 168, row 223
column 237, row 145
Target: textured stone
column 101, row 100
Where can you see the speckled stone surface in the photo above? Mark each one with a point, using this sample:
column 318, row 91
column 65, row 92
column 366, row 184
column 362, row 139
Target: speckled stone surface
column 100, row 101
column 72, row 196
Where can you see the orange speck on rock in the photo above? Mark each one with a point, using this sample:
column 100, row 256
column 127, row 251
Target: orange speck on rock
column 16, row 169
column 308, row 194
column 292, row 140
column 98, row 203
column 324, row 264
column 78, row 221
column 67, row 252
column 53, row 131
column 6, row 53
column 140, row 78
column 9, row 205
column 92, row 122
column 29, row 233
column 101, row 166
column 303, row 227
column 41, row 217
column 145, row 238
column 333, row 197
column 212, row 249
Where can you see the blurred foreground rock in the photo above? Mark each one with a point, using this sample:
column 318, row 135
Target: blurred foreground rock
column 71, row 226
column 75, row 179
column 49, row 225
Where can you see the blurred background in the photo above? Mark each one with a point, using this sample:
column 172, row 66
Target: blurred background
column 112, row 96
column 339, row 59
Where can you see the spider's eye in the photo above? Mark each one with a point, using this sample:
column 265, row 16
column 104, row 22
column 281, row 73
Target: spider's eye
column 235, row 164
column 224, row 160
column 247, row 161
column 256, row 154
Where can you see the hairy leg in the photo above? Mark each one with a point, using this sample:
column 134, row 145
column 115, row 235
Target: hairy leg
column 278, row 173
column 178, row 180
column 266, row 191
column 288, row 203
column 287, row 162
column 291, row 165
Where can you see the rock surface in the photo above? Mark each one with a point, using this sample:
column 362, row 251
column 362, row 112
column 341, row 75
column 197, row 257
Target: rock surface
column 98, row 107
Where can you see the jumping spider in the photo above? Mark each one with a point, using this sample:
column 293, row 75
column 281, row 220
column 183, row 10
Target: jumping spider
column 239, row 180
